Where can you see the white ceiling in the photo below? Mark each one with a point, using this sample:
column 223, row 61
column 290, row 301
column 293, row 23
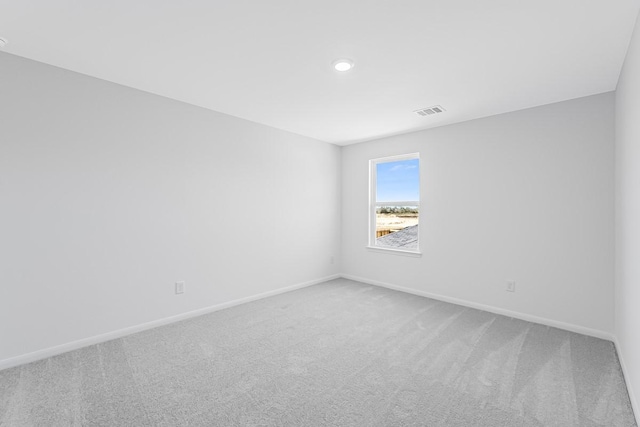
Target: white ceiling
column 270, row 61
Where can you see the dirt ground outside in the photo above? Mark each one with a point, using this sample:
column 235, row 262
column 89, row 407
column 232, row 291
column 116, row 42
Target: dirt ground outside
column 395, row 222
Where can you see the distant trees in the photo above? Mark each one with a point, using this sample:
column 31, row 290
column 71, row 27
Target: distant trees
column 396, row 210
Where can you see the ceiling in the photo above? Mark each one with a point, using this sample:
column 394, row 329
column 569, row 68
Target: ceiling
column 270, row 61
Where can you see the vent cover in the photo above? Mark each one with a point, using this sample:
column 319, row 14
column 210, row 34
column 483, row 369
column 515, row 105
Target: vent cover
column 436, row 109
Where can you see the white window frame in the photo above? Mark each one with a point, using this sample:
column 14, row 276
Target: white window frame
column 373, row 204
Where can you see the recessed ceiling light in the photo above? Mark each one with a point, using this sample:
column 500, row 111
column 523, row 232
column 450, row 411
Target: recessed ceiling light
column 3, row 42
column 342, row 64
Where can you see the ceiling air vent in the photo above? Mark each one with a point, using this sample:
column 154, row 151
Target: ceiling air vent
column 436, row 109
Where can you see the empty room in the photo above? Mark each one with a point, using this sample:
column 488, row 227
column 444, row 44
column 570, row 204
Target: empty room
column 319, row 213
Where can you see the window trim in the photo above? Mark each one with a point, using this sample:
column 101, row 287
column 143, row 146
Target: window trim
column 373, row 204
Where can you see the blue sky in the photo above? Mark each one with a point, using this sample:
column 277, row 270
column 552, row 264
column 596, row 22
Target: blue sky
column 397, row 181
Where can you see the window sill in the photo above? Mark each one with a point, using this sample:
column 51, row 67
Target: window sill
column 413, row 254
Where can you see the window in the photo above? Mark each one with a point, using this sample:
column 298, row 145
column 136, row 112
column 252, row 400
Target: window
column 395, row 203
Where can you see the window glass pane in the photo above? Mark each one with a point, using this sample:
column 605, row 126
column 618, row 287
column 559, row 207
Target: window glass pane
column 397, row 223
column 398, row 181
column 397, row 226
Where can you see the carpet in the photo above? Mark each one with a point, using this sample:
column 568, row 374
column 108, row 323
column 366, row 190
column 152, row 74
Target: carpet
column 340, row 353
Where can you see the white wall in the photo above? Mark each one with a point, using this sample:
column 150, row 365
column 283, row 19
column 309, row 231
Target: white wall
column 628, row 218
column 109, row 195
column 524, row 196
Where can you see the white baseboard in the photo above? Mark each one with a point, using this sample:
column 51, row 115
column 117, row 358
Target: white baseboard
column 635, row 404
column 74, row 345
column 517, row 315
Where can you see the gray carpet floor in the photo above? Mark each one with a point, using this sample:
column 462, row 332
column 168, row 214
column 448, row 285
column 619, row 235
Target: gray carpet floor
column 336, row 354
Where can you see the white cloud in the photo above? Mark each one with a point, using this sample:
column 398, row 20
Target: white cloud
column 402, row 167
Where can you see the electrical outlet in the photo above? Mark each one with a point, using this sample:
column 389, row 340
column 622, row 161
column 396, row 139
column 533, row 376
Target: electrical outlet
column 511, row 286
column 331, row 260
column 179, row 288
